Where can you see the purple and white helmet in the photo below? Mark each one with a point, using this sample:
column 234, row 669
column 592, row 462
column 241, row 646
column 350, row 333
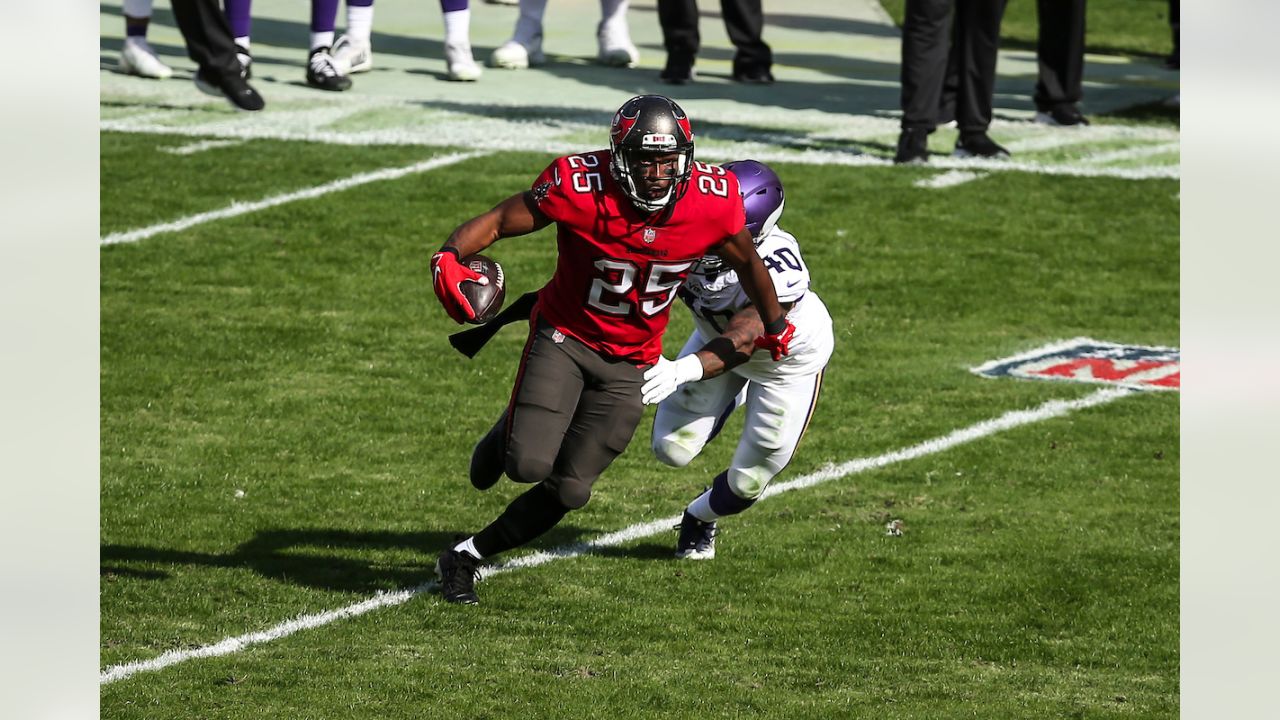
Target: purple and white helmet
column 762, row 195
column 762, row 198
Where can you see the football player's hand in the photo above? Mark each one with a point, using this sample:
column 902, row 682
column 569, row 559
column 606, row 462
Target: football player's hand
column 447, row 276
column 667, row 376
column 777, row 343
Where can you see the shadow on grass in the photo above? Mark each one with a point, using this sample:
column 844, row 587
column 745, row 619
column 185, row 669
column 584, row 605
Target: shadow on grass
column 342, row 560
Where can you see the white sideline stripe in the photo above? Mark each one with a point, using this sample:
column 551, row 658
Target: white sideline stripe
column 1131, row 153
column 1008, row 421
column 487, row 140
column 951, row 178
column 196, row 147
column 237, row 208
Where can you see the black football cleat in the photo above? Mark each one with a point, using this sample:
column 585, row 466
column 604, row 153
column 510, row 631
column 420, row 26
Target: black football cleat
column 458, row 572
column 979, row 145
column 323, row 75
column 1067, row 115
column 234, row 88
column 913, row 147
column 697, row 539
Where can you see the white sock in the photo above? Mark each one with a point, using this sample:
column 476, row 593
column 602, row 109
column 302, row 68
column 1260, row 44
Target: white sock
column 613, row 15
column 529, row 27
column 359, row 23
column 321, row 39
column 457, row 27
column 243, row 42
column 701, row 507
column 468, row 547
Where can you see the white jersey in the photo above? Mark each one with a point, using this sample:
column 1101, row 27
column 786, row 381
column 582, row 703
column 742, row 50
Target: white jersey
column 714, row 298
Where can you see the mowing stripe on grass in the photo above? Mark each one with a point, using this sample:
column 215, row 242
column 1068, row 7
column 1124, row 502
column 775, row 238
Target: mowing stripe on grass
column 1008, row 421
column 237, row 208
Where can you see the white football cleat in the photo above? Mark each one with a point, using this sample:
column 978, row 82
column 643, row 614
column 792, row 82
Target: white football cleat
column 350, row 56
column 462, row 66
column 511, row 55
column 616, row 48
column 137, row 58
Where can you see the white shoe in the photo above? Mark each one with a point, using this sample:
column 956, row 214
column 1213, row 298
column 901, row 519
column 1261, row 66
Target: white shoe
column 462, row 66
column 350, row 56
column 511, row 55
column 616, row 48
column 137, row 58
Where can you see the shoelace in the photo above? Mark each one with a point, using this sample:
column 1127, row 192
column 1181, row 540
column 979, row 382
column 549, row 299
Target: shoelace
column 463, row 580
column 322, row 64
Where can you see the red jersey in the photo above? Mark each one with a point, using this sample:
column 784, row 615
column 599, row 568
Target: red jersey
column 616, row 275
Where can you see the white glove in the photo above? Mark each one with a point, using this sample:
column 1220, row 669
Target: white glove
column 667, row 376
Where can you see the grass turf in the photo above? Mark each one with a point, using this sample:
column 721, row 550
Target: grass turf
column 285, row 430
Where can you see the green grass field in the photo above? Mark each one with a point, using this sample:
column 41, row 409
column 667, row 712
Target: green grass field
column 285, row 430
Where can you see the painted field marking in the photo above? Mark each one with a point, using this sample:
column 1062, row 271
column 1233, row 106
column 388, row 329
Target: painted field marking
column 1007, row 421
column 196, row 147
column 1131, row 153
column 951, row 178
column 237, row 208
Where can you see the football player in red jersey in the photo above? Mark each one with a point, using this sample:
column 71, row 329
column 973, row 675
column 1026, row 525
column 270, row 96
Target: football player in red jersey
column 631, row 220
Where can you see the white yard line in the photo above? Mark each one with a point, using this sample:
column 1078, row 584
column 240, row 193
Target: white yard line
column 1008, row 421
column 951, row 178
column 237, row 208
column 1132, row 153
column 198, row 147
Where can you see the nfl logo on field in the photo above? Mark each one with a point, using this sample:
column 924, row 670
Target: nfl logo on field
column 1093, row 361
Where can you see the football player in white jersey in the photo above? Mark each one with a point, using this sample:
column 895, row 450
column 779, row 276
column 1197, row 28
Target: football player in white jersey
column 715, row 371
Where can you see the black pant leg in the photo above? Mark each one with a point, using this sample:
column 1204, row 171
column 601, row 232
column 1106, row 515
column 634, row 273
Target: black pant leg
column 207, row 35
column 744, row 21
column 924, row 60
column 1060, row 52
column 977, row 43
column 679, row 21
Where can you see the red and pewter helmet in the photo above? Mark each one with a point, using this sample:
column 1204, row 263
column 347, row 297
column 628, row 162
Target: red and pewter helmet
column 650, row 125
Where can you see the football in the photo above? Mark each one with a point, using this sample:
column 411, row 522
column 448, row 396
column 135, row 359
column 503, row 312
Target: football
column 486, row 300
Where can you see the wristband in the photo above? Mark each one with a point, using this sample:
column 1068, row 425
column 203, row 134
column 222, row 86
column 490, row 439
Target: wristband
column 450, row 249
column 775, row 327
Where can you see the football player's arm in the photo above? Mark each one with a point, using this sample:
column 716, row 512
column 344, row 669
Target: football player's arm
column 517, row 215
column 733, row 347
column 740, row 253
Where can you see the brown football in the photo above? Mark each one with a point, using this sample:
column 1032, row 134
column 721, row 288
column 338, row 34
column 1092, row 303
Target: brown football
column 486, row 300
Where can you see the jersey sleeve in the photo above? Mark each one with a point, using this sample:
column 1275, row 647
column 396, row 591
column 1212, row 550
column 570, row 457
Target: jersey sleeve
column 735, row 215
column 781, row 255
column 549, row 192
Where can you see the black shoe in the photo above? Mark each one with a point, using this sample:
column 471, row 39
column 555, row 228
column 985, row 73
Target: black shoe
column 489, row 458
column 458, row 572
column 913, row 147
column 246, row 61
column 697, row 538
column 1067, row 115
column 321, row 73
column 239, row 93
column 678, row 71
column 753, row 76
column 978, row 145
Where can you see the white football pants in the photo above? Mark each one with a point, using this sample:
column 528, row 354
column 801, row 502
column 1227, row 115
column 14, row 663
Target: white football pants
column 778, row 411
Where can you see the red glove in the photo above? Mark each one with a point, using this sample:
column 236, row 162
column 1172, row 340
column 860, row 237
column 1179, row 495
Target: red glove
column 447, row 276
column 776, row 343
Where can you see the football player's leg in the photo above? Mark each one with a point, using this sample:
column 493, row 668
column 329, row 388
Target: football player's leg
column 546, row 393
column 693, row 415
column 613, row 37
column 459, row 61
column 137, row 56
column 777, row 414
column 489, row 458
column 606, row 419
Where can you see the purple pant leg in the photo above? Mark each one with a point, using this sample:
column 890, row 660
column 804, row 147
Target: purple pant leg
column 324, row 15
column 238, row 16
column 452, row 5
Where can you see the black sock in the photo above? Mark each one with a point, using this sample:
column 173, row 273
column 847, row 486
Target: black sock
column 527, row 517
